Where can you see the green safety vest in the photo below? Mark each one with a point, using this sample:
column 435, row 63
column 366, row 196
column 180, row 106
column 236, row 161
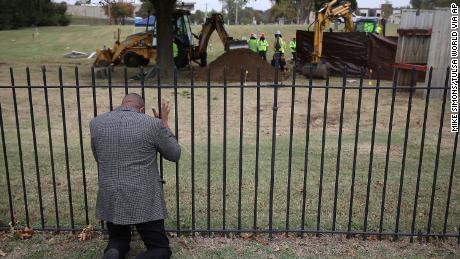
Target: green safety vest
column 175, row 50
column 292, row 45
column 252, row 44
column 369, row 27
column 378, row 29
column 282, row 45
column 263, row 45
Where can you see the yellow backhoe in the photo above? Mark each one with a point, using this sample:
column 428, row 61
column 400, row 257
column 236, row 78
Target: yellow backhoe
column 140, row 49
column 324, row 16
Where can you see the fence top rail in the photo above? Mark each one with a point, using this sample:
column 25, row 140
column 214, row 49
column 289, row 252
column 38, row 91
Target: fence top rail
column 218, row 86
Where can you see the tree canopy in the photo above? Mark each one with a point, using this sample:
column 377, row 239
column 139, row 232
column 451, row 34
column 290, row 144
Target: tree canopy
column 117, row 11
column 25, row 13
column 430, row 4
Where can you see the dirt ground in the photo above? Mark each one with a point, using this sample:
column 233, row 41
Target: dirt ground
column 66, row 245
column 236, row 61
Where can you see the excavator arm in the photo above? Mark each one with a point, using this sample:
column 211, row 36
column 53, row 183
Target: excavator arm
column 324, row 17
column 215, row 23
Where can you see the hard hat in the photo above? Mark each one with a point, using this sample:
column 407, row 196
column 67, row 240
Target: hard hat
column 278, row 33
column 253, row 35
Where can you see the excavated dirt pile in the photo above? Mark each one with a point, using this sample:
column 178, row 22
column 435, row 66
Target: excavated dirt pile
column 234, row 59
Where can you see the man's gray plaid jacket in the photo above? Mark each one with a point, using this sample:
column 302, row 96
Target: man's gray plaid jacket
column 125, row 145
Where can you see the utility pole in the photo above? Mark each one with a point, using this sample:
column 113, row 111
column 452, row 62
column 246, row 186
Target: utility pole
column 205, row 13
column 237, row 3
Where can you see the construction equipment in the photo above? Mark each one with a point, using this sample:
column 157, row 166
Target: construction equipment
column 324, row 17
column 333, row 11
column 140, row 49
column 214, row 23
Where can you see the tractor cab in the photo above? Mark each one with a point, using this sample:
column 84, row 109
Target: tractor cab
column 369, row 24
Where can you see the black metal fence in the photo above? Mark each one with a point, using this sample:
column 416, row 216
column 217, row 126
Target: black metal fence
column 336, row 156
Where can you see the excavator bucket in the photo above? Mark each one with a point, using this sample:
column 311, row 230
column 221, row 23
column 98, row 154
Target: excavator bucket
column 103, row 58
column 319, row 70
column 238, row 44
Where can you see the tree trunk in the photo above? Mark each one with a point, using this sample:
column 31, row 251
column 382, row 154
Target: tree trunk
column 164, row 14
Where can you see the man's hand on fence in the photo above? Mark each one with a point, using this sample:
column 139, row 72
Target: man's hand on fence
column 164, row 116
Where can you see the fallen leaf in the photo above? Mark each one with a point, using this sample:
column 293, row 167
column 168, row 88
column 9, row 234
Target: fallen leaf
column 25, row 233
column 87, row 233
column 372, row 237
column 246, row 235
column 262, row 241
column 2, row 254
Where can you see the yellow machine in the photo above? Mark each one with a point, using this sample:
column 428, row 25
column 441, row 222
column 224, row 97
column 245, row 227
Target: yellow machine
column 140, row 49
column 330, row 12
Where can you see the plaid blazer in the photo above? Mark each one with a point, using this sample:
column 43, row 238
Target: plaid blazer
column 125, row 145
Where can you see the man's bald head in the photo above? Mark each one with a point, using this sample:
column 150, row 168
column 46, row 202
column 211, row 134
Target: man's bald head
column 133, row 101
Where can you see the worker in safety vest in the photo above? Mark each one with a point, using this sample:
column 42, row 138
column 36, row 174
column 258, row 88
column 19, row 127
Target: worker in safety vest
column 368, row 27
column 252, row 43
column 175, row 53
column 279, row 47
column 262, row 46
column 292, row 47
column 378, row 29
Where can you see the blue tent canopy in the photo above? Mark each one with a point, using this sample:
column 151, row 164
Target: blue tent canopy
column 143, row 22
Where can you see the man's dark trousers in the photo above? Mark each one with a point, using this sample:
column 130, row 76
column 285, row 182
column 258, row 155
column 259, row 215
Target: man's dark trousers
column 152, row 233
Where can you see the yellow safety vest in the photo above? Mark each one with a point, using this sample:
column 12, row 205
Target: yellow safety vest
column 263, row 45
column 282, row 45
column 292, row 46
column 175, row 50
column 252, row 44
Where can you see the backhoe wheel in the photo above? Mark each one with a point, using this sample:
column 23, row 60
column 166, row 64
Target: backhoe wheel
column 131, row 59
column 145, row 62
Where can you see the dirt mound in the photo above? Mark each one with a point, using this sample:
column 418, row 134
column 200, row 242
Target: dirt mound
column 234, row 59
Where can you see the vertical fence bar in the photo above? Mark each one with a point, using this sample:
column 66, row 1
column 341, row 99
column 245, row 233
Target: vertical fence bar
column 355, row 153
column 339, row 148
column 387, row 156
column 143, row 83
column 273, row 154
column 403, row 163
column 176, row 129
column 323, row 144
column 224, row 154
column 21, row 158
column 80, row 136
column 7, row 169
column 256, row 173
column 438, row 150
column 422, row 148
column 125, row 77
column 109, row 73
column 192, row 126
column 50, row 141
column 451, row 178
column 208, row 109
column 160, row 111
column 307, row 147
column 34, row 142
column 93, row 88
column 371, row 153
column 291, row 135
column 66, row 149
column 240, row 151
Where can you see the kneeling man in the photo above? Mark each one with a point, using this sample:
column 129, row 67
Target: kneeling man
column 125, row 143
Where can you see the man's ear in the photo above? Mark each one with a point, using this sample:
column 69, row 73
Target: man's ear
column 142, row 110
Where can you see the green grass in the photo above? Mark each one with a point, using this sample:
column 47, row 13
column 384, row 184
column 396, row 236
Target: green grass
column 53, row 42
column 248, row 166
column 68, row 246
